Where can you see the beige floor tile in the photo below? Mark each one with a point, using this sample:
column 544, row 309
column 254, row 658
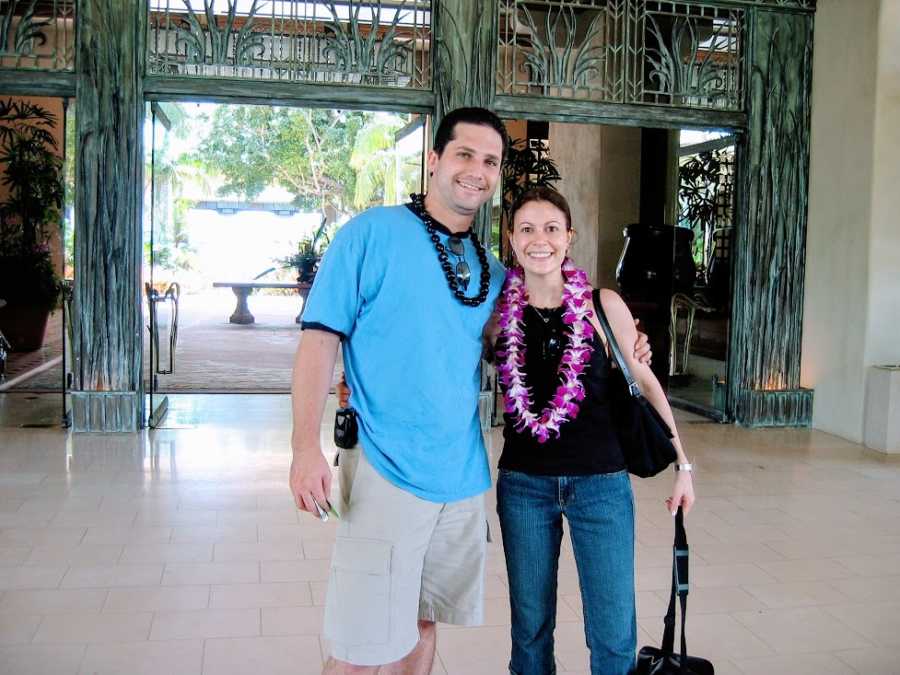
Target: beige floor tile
column 259, row 551
column 319, row 589
column 82, row 555
column 292, row 620
column 300, row 570
column 13, row 556
column 112, row 576
column 175, row 657
column 126, row 535
column 293, row 655
column 12, row 578
column 181, row 552
column 735, row 552
column 53, row 601
column 232, row 518
column 87, row 519
column 84, row 627
column 40, row 536
column 649, row 603
column 317, row 549
column 17, row 628
column 872, row 661
column 796, row 593
column 872, row 565
column 716, row 576
column 864, row 589
column 475, row 651
column 190, row 574
column 215, row 534
column 806, row 570
column 715, row 637
column 157, row 598
column 715, row 600
column 295, row 532
column 795, row 664
column 172, row 517
column 205, row 623
column 249, row 596
column 803, row 630
column 879, row 622
column 41, row 659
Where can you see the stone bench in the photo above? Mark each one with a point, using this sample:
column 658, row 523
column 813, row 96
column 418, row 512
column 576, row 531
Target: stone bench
column 243, row 289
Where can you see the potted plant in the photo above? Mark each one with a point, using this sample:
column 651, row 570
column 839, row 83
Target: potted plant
column 34, row 181
column 527, row 165
column 309, row 252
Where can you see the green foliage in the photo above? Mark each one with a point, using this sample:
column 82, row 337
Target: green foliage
column 527, row 165
column 698, row 191
column 33, row 175
column 305, row 151
column 383, row 175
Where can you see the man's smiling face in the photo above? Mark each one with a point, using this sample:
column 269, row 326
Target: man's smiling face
column 465, row 174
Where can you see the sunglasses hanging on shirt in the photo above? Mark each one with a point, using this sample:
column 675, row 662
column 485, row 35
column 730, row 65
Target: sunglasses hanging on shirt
column 455, row 278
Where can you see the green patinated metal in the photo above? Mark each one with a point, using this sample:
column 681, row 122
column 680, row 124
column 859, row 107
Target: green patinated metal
column 764, row 363
column 107, row 393
column 464, row 66
column 639, row 52
column 37, row 35
column 208, row 43
column 743, row 64
column 369, row 44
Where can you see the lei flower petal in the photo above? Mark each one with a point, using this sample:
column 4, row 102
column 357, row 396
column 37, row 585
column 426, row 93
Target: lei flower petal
column 576, row 316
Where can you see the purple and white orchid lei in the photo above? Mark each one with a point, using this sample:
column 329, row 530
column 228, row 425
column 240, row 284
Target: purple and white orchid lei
column 511, row 358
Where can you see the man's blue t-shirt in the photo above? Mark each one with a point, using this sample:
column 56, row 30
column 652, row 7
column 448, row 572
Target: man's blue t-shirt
column 412, row 351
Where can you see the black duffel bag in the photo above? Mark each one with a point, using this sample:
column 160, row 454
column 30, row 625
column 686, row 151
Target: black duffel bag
column 663, row 660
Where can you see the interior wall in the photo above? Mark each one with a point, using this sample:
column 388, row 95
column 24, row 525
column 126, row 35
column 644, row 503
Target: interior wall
column 851, row 274
column 600, row 169
column 55, row 106
column 882, row 346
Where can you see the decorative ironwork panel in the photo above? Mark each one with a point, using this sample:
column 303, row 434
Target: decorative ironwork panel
column 37, row 34
column 381, row 44
column 683, row 54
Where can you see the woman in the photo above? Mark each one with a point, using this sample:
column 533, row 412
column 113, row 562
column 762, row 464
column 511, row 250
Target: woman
column 561, row 456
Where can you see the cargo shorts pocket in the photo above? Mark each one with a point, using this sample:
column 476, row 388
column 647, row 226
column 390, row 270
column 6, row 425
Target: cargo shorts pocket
column 358, row 609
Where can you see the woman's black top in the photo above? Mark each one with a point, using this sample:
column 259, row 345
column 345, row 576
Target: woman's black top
column 586, row 444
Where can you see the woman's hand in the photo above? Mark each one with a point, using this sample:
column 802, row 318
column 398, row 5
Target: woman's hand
column 682, row 493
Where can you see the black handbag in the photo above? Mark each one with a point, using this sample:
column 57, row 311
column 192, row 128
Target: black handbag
column 644, row 435
column 664, row 661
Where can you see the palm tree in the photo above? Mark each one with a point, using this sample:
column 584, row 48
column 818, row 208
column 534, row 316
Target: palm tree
column 383, row 174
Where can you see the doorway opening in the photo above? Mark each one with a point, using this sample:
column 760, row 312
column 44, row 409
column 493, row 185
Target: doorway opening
column 241, row 202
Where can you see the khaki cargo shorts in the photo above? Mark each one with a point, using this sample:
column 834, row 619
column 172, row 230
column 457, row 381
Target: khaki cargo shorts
column 397, row 559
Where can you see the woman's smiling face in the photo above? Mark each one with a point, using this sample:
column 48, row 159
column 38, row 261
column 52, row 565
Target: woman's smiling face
column 540, row 237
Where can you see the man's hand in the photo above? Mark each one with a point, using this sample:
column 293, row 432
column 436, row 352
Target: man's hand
column 310, row 479
column 642, row 351
column 343, row 392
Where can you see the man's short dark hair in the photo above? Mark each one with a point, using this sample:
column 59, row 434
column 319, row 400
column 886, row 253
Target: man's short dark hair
column 482, row 116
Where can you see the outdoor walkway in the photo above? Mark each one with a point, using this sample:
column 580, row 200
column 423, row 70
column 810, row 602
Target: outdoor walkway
column 181, row 551
column 212, row 355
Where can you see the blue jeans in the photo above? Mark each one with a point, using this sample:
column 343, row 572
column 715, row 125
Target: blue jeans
column 600, row 511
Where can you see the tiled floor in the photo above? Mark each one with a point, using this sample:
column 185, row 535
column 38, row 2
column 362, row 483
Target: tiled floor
column 181, row 552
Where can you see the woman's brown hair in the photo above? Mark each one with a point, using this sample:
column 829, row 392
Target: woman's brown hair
column 540, row 194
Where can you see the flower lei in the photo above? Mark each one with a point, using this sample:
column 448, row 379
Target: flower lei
column 517, row 395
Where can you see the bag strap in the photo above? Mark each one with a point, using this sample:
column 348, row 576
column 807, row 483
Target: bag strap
column 633, row 387
column 680, row 587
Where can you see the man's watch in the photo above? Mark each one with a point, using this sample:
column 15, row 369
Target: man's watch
column 687, row 466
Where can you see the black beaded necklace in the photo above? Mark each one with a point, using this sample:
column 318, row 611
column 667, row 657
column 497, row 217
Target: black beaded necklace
column 418, row 207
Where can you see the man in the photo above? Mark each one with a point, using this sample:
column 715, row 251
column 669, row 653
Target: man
column 407, row 291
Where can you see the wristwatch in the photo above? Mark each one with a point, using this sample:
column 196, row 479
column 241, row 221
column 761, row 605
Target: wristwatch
column 687, row 466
